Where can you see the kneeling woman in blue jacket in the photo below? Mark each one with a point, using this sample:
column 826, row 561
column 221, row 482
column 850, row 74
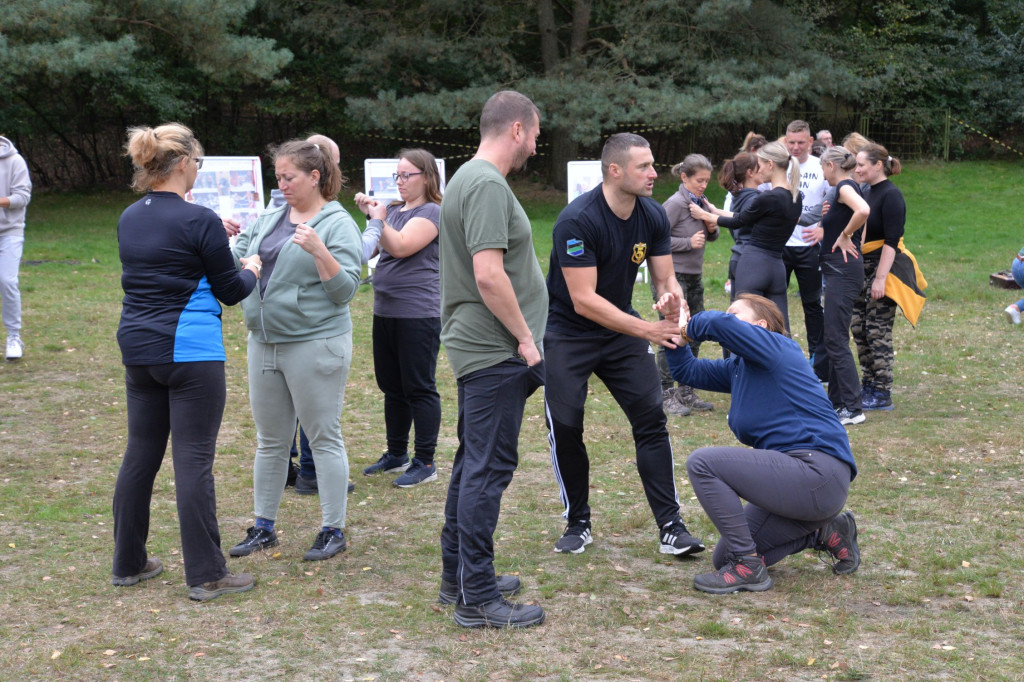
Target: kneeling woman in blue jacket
column 796, row 472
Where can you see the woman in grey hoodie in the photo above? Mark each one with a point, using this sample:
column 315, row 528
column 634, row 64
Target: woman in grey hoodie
column 15, row 193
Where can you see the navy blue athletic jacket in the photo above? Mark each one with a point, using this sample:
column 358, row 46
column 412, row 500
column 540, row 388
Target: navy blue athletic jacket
column 777, row 402
column 176, row 265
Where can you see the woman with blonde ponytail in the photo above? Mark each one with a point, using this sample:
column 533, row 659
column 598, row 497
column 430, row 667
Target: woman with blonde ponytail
column 771, row 216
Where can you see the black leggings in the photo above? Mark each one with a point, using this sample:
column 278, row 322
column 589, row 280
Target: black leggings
column 762, row 272
column 185, row 399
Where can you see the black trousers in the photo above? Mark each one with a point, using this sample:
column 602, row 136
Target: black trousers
column 185, row 399
column 843, row 284
column 762, row 272
column 491, row 403
column 803, row 260
column 626, row 366
column 405, row 362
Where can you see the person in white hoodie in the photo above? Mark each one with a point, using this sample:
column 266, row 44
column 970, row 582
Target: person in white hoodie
column 15, row 193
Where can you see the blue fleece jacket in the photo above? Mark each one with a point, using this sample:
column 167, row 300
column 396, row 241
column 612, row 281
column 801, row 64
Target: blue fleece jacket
column 777, row 402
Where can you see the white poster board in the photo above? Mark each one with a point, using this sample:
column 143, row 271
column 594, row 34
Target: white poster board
column 583, row 176
column 378, row 175
column 230, row 185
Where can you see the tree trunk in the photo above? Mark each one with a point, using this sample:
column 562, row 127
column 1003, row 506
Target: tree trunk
column 563, row 150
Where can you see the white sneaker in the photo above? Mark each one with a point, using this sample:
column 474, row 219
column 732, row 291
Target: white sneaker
column 15, row 348
column 1012, row 313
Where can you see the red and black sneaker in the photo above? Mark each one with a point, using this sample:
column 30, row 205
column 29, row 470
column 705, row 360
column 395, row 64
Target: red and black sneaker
column 838, row 538
column 744, row 572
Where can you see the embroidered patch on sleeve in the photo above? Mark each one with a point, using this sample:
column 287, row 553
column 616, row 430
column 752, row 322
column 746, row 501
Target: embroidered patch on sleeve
column 574, row 247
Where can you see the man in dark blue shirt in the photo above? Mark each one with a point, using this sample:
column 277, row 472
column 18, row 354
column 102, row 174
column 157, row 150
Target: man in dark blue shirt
column 600, row 240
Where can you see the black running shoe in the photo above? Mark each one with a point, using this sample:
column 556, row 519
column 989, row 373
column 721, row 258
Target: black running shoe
column 675, row 539
column 739, row 573
column 326, row 545
column 255, row 538
column 575, row 538
column 387, row 464
column 838, row 538
column 508, row 586
column 498, row 614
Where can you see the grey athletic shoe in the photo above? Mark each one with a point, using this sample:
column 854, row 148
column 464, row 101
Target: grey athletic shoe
column 671, row 404
column 498, row 614
column 508, row 586
column 675, row 539
column 739, row 573
column 387, row 464
column 575, row 538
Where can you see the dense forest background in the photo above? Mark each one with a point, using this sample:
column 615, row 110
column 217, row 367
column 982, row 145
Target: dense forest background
column 925, row 77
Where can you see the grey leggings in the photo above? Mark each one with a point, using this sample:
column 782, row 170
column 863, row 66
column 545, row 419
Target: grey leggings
column 790, row 495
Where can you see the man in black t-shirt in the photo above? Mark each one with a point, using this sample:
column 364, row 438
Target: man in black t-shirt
column 600, row 239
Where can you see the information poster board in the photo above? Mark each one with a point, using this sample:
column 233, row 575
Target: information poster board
column 232, row 186
column 583, row 176
column 378, row 176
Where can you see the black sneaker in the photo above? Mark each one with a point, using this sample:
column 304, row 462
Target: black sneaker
column 877, row 400
column 498, row 614
column 508, row 586
column 675, row 539
column 418, row 472
column 255, row 538
column 326, row 545
column 848, row 416
column 838, row 538
column 232, row 582
column 306, row 486
column 293, row 474
column 575, row 538
column 387, row 464
column 152, row 569
column 740, row 573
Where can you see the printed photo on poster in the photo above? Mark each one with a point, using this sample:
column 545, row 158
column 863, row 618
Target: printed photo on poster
column 583, row 176
column 231, row 186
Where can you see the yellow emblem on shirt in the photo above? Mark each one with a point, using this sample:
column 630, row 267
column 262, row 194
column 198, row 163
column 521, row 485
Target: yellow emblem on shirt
column 639, row 252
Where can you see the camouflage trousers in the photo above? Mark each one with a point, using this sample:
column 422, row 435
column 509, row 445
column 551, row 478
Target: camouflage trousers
column 871, row 328
column 693, row 292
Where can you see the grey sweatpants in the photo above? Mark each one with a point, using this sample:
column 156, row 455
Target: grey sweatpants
column 790, row 495
column 11, row 246
column 304, row 379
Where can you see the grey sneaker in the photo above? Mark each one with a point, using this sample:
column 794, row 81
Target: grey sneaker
column 848, row 416
column 575, row 538
column 838, row 537
column 326, row 545
column 508, row 586
column 498, row 614
column 739, row 573
column 232, row 582
column 671, row 405
column 152, row 569
column 675, row 539
column 387, row 464
column 417, row 473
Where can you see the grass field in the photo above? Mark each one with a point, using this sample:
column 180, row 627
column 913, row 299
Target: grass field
column 939, row 500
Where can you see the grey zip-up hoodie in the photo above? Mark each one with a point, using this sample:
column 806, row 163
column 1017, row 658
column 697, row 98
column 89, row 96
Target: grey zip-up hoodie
column 14, row 185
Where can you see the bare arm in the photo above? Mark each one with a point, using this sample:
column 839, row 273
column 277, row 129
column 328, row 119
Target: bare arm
column 500, row 298
column 582, row 285
column 416, row 234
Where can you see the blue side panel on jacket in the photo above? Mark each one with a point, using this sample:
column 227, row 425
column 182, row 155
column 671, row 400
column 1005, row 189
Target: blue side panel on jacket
column 198, row 337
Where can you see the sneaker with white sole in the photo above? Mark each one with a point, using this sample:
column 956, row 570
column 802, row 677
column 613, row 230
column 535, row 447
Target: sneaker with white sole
column 418, row 472
column 675, row 539
column 575, row 538
column 1012, row 313
column 15, row 348
column 739, row 573
column 387, row 464
column 848, row 416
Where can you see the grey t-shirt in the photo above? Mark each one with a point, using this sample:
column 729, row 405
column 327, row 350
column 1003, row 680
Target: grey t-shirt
column 479, row 211
column 410, row 286
column 271, row 247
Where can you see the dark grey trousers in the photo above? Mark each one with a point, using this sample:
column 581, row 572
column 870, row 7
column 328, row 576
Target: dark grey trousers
column 790, row 495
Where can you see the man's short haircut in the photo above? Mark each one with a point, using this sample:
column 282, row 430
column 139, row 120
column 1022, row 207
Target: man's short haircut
column 505, row 108
column 798, row 126
column 616, row 150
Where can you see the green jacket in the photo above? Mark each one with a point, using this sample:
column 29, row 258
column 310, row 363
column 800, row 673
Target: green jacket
column 297, row 305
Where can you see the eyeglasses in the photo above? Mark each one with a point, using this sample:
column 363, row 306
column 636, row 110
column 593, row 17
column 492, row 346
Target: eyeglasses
column 199, row 162
column 404, row 177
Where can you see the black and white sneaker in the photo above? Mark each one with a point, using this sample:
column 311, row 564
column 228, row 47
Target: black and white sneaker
column 848, row 416
column 675, row 539
column 575, row 538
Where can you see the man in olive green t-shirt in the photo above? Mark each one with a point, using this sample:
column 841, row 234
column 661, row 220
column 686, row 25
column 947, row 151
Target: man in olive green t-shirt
column 493, row 305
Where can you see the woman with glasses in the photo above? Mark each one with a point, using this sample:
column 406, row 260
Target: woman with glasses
column 176, row 266
column 407, row 317
column 300, row 339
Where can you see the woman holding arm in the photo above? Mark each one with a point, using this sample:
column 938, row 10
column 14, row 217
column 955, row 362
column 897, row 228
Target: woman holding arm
column 843, row 270
column 740, row 176
column 796, row 471
column 771, row 216
column 176, row 266
column 874, row 312
column 300, row 339
column 407, row 317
